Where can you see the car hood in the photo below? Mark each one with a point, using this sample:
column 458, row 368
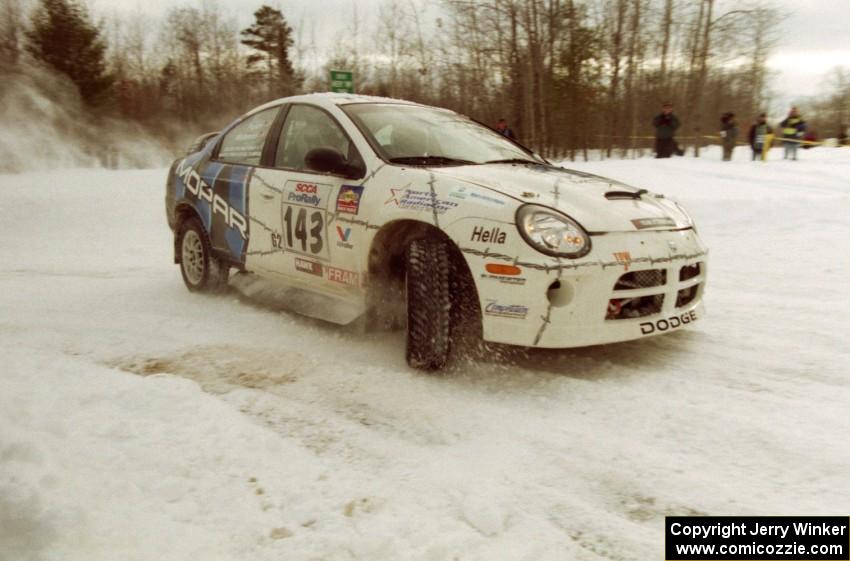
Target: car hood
column 599, row 204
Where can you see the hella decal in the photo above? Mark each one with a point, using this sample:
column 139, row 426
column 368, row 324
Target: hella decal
column 662, row 325
column 199, row 188
column 493, row 235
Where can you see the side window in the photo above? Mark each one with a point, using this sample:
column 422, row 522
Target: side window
column 244, row 143
column 307, row 128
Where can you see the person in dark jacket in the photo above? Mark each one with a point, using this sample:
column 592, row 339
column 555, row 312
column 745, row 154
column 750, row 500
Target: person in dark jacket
column 503, row 129
column 729, row 134
column 665, row 124
column 792, row 127
column 758, row 135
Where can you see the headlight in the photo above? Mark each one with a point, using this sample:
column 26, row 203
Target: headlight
column 551, row 232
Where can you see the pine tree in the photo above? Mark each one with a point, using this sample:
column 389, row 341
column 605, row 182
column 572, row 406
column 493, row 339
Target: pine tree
column 272, row 36
column 63, row 36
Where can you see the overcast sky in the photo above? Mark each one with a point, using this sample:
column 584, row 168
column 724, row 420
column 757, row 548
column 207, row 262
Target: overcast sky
column 814, row 36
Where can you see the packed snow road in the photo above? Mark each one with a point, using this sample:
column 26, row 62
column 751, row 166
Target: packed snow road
column 139, row 421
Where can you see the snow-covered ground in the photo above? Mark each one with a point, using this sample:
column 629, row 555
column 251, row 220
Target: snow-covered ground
column 139, row 421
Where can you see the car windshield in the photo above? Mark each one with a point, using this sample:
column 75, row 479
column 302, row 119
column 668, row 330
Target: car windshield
column 416, row 135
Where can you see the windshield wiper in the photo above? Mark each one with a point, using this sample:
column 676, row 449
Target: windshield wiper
column 429, row 161
column 513, row 161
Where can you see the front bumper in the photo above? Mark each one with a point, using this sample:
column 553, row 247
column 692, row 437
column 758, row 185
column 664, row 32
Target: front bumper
column 597, row 299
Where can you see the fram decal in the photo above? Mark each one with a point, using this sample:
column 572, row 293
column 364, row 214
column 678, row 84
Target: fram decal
column 514, row 311
column 657, row 222
column 348, row 200
column 624, row 258
column 663, row 325
column 493, row 235
column 343, row 235
column 307, row 266
column 200, row 189
column 342, row 276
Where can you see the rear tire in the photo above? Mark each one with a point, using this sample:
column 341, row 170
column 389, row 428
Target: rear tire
column 427, row 283
column 202, row 272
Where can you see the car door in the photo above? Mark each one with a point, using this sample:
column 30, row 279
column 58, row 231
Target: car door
column 223, row 199
column 313, row 250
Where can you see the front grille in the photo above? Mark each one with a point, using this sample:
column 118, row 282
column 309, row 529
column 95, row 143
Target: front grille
column 686, row 295
column 628, row 308
column 689, row 271
column 642, row 279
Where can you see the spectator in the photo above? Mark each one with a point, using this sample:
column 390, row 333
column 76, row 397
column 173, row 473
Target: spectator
column 729, row 134
column 758, row 135
column 792, row 127
column 665, row 124
column 503, row 129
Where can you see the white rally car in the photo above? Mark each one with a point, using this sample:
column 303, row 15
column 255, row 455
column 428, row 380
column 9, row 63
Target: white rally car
column 400, row 213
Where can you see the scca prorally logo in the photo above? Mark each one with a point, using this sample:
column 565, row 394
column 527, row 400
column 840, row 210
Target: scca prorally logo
column 199, row 188
column 344, row 234
column 307, row 188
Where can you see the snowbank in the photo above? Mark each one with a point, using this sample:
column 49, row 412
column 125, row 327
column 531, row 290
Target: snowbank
column 139, row 421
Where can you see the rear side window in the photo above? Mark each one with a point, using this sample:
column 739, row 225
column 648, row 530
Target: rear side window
column 244, row 143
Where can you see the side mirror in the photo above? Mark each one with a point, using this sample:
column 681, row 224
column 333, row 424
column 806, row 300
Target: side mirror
column 329, row 160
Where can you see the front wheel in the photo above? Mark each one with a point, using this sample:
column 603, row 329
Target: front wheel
column 202, row 272
column 427, row 283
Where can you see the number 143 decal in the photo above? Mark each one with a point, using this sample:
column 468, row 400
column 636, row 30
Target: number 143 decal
column 304, row 229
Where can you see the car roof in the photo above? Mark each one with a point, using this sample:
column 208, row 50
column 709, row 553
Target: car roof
column 330, row 99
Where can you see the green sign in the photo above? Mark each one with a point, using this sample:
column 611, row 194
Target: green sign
column 342, row 81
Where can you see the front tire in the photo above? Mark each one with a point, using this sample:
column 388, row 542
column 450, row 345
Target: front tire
column 202, row 272
column 427, row 283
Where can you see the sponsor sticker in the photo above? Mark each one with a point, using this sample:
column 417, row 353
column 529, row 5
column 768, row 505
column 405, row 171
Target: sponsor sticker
column 662, row 325
column 348, row 199
column 656, row 222
column 342, row 276
column 413, row 199
column 305, row 193
column 309, row 267
column 488, row 235
column 343, row 236
column 624, row 258
column 513, row 311
column 505, row 274
column 462, row 193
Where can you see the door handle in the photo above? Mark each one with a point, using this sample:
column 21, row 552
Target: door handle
column 267, row 196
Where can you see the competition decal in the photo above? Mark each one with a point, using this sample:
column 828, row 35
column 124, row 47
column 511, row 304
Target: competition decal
column 219, row 194
column 658, row 222
column 348, row 199
column 419, row 201
column 512, row 311
column 304, row 218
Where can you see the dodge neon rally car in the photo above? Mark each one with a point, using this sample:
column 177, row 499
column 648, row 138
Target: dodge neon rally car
column 395, row 213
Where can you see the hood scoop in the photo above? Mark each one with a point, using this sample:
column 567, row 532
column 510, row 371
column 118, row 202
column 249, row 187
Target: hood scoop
column 619, row 195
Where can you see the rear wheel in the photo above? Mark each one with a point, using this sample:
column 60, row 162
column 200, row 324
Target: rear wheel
column 427, row 283
column 202, row 272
